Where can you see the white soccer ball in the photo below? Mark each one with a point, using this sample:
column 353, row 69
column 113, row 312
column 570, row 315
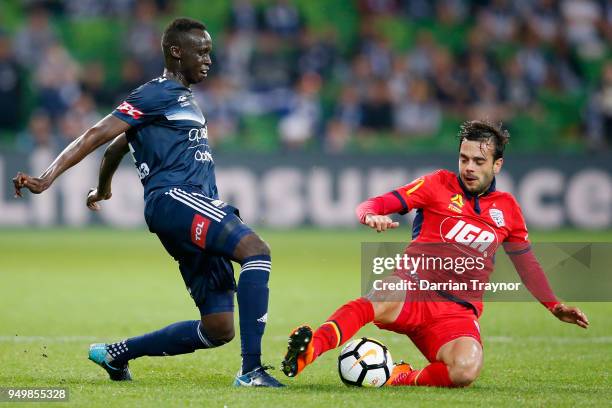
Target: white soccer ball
column 365, row 363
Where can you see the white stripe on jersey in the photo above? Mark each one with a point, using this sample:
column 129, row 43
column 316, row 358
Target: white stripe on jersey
column 195, row 207
column 196, row 201
column 187, row 115
column 194, row 196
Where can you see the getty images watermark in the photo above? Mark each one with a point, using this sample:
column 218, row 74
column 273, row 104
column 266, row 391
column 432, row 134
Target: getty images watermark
column 411, row 265
column 449, row 271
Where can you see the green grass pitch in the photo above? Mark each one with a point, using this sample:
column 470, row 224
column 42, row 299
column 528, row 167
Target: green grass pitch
column 63, row 289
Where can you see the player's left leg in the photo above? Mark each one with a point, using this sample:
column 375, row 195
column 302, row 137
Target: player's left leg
column 452, row 345
column 210, row 282
column 178, row 338
column 463, row 358
column 458, row 365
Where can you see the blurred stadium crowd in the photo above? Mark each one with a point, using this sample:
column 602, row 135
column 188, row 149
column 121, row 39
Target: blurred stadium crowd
column 331, row 76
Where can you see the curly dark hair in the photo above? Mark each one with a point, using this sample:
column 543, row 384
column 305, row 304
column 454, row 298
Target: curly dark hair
column 483, row 131
column 176, row 28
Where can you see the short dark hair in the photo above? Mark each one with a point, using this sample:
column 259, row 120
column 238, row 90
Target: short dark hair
column 483, row 131
column 176, row 28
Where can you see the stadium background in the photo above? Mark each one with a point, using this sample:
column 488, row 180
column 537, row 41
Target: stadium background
column 312, row 106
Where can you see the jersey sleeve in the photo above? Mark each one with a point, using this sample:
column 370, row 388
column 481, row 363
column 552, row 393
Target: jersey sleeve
column 518, row 229
column 416, row 194
column 419, row 193
column 381, row 205
column 518, row 248
column 143, row 105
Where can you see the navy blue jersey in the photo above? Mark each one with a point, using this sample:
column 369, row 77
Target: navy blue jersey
column 168, row 139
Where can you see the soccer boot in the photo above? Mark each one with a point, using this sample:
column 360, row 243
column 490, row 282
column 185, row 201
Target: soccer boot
column 400, row 373
column 300, row 351
column 99, row 355
column 256, row 378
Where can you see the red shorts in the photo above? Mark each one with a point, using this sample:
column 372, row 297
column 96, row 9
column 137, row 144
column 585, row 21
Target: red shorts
column 430, row 325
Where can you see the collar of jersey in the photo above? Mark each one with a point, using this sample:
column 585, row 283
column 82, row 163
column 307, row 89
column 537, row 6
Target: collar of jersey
column 476, row 196
column 468, row 194
column 177, row 82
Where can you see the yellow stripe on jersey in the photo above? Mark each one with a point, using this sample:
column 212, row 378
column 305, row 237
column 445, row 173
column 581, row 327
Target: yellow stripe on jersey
column 417, row 183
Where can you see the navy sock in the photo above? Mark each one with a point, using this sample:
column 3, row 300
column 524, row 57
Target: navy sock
column 178, row 338
column 253, row 307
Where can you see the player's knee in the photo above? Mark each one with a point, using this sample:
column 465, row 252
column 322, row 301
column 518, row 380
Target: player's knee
column 219, row 331
column 262, row 248
column 251, row 245
column 464, row 371
column 223, row 337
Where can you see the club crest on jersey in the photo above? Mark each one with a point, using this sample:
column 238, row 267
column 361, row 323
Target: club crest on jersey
column 456, row 203
column 497, row 216
column 129, row 110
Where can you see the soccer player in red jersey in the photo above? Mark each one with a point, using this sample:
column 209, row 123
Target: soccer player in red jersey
column 465, row 211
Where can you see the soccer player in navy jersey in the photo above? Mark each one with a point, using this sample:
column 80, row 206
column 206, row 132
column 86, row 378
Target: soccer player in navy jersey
column 162, row 127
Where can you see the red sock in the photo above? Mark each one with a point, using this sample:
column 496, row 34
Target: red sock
column 434, row 375
column 342, row 325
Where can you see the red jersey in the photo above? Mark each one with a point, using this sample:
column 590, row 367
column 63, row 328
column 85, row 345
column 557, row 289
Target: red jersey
column 449, row 213
column 475, row 225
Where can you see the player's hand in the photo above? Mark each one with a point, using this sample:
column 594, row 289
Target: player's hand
column 34, row 184
column 380, row 222
column 570, row 314
column 93, row 197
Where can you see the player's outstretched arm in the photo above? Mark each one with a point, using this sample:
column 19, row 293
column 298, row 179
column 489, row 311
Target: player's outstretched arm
column 100, row 133
column 570, row 314
column 373, row 212
column 534, row 279
column 112, row 157
column 418, row 194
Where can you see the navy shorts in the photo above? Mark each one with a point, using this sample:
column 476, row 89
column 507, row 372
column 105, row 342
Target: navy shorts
column 201, row 234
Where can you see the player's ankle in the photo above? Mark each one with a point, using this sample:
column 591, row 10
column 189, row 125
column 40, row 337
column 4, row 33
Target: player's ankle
column 250, row 363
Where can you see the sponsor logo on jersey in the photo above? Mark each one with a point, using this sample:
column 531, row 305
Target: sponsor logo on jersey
column 198, row 134
column 473, row 234
column 129, row 110
column 199, row 229
column 456, row 203
column 183, row 100
column 497, row 216
column 202, row 156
